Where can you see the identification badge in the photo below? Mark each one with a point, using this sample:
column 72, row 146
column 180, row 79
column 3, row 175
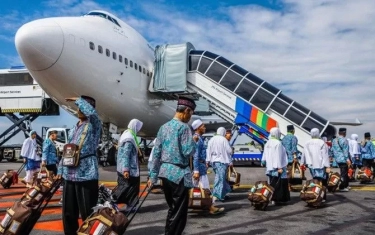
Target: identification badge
column 68, row 162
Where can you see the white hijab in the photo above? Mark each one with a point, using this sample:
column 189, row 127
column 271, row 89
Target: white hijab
column 274, row 152
column 315, row 152
column 218, row 148
column 130, row 134
column 353, row 145
column 314, row 133
column 152, row 151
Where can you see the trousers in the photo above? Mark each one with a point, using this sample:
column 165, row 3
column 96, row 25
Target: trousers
column 78, row 198
column 344, row 175
column 177, row 197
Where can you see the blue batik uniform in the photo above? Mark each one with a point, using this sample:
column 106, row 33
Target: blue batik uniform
column 127, row 159
column 49, row 153
column 290, row 143
column 368, row 150
column 88, row 167
column 199, row 159
column 340, row 149
column 172, row 152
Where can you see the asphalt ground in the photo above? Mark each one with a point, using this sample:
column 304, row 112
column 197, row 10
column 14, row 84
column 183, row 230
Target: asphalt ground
column 344, row 213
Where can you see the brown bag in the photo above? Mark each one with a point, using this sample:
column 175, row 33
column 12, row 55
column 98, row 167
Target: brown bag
column 200, row 198
column 313, row 191
column 295, row 172
column 261, row 192
column 234, row 178
column 6, row 179
column 71, row 152
column 334, row 179
column 364, row 174
column 14, row 218
column 105, row 221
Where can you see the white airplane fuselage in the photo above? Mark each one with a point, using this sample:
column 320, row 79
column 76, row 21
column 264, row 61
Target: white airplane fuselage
column 58, row 55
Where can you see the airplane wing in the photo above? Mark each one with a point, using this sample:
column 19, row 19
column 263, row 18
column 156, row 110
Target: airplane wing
column 357, row 122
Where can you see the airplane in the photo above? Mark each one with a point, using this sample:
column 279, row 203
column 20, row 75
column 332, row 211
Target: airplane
column 101, row 56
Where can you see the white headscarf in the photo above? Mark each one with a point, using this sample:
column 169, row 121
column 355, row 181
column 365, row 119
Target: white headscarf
column 221, row 131
column 274, row 152
column 315, row 133
column 275, row 132
column 218, row 148
column 130, row 134
column 353, row 145
column 152, row 151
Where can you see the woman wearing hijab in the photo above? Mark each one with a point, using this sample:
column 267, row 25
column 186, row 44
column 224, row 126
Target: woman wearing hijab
column 127, row 164
column 316, row 158
column 31, row 157
column 219, row 155
column 275, row 159
column 355, row 153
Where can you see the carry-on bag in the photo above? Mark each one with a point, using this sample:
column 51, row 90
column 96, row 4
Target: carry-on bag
column 234, row 178
column 11, row 177
column 313, row 193
column 295, row 173
column 200, row 198
column 364, row 175
column 260, row 195
column 23, row 215
column 334, row 179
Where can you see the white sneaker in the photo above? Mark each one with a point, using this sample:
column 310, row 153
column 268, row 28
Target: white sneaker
column 344, row 190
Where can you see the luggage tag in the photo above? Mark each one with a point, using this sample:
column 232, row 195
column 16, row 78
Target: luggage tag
column 197, row 202
column 197, row 193
column 98, row 228
column 14, row 227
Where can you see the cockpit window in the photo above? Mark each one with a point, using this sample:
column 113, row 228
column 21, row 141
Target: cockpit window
column 105, row 16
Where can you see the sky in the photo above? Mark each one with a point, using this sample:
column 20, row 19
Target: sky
column 321, row 53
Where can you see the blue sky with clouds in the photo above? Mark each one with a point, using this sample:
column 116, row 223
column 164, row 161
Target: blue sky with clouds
column 319, row 52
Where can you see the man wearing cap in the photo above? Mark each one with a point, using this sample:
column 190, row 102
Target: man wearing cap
column 31, row 157
column 80, row 193
column 173, row 150
column 49, row 152
column 199, row 161
column 290, row 143
column 340, row 149
column 368, row 153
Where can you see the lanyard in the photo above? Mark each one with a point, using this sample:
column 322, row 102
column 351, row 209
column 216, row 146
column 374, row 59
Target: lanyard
column 134, row 136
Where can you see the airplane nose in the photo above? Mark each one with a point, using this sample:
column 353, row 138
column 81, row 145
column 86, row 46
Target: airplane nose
column 40, row 43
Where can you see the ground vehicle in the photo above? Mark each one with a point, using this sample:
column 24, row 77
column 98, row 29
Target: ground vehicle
column 62, row 137
column 10, row 152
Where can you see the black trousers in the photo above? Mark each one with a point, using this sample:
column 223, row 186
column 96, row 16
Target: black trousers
column 52, row 168
column 127, row 189
column 344, row 175
column 280, row 185
column 78, row 198
column 177, row 197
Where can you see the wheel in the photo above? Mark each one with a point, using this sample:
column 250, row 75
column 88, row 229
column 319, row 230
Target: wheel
column 112, row 156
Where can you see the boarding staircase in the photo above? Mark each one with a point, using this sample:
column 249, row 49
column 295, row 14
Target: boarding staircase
column 233, row 93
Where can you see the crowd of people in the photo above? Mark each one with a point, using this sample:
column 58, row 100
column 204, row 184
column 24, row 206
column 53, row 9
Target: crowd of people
column 180, row 160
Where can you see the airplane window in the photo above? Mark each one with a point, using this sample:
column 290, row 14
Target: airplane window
column 131, row 64
column 262, row 99
column 100, row 49
column 92, row 46
column 120, row 58
column 102, row 15
column 107, row 52
column 295, row 116
column 279, row 106
column 140, row 69
column 246, row 89
column 126, row 61
column 231, row 80
column 216, row 71
column 135, row 66
column 204, row 64
column 144, row 71
column 114, row 55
